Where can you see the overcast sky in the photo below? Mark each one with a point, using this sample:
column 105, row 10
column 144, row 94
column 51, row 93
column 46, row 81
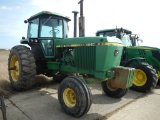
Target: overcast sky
column 141, row 17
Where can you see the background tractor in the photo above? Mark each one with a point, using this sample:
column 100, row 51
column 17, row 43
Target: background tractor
column 74, row 60
column 145, row 59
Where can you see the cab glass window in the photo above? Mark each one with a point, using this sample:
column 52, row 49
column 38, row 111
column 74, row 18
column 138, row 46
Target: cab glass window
column 47, row 47
column 51, row 27
column 33, row 28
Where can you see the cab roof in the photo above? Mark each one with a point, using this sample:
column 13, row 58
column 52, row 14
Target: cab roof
column 49, row 13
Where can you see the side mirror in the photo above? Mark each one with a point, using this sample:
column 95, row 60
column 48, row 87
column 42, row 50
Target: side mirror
column 137, row 36
column 23, row 37
column 140, row 40
column 25, row 21
column 132, row 36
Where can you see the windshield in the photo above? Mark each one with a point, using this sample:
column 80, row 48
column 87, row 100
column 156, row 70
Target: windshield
column 126, row 40
column 51, row 27
column 104, row 34
column 110, row 36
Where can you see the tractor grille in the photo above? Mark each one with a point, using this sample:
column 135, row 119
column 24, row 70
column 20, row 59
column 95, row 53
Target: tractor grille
column 84, row 57
column 156, row 54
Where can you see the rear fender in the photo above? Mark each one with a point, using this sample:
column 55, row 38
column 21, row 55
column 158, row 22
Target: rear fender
column 137, row 59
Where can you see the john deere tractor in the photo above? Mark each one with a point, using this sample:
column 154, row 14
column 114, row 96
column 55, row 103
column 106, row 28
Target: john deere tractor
column 74, row 60
column 146, row 60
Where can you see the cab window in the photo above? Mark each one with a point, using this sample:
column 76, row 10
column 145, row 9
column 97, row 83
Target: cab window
column 51, row 27
column 33, row 28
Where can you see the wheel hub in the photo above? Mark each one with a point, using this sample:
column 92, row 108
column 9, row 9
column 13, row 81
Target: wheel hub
column 109, row 86
column 14, row 68
column 140, row 78
column 69, row 97
column 158, row 74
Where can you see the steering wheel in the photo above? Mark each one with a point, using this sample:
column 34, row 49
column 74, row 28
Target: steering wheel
column 55, row 31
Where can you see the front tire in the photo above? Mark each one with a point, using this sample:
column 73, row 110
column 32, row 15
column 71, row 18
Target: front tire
column 22, row 68
column 113, row 92
column 145, row 77
column 74, row 96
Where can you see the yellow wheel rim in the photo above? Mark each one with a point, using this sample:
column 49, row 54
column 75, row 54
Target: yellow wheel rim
column 140, row 78
column 69, row 97
column 14, row 68
column 158, row 74
column 109, row 86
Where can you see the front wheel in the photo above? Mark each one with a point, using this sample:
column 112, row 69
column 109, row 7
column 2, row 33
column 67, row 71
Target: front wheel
column 111, row 91
column 145, row 77
column 74, row 96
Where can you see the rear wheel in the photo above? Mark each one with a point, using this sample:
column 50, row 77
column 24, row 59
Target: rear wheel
column 145, row 77
column 111, row 91
column 158, row 82
column 22, row 68
column 74, row 96
column 158, row 78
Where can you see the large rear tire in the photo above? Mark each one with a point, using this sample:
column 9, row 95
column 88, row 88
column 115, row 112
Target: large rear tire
column 74, row 96
column 22, row 68
column 158, row 83
column 158, row 78
column 113, row 92
column 145, row 77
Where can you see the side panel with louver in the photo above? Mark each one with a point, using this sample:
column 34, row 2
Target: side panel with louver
column 84, row 57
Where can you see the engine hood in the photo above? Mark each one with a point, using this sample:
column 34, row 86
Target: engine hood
column 144, row 47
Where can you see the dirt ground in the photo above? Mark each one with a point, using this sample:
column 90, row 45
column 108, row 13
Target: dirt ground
column 5, row 87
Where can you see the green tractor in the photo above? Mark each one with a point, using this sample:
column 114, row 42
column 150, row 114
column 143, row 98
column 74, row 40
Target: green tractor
column 146, row 60
column 74, row 60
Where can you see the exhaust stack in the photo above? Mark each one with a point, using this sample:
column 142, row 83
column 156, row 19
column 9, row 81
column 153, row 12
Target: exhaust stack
column 75, row 23
column 81, row 20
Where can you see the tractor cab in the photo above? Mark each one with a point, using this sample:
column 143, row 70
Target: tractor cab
column 109, row 34
column 126, row 36
column 43, row 29
column 47, row 24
